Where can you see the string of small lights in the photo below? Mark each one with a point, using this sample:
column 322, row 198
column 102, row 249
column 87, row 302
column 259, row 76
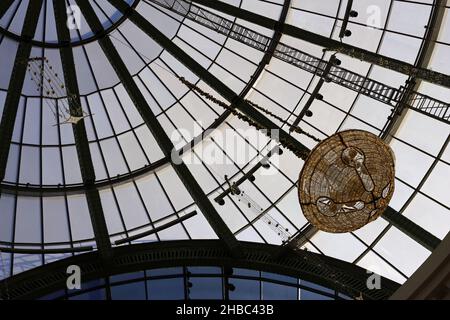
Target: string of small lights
column 285, row 143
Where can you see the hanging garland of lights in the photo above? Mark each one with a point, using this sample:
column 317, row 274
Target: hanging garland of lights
column 302, row 154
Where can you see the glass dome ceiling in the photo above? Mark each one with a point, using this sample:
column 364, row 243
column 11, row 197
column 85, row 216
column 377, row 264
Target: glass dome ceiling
column 51, row 198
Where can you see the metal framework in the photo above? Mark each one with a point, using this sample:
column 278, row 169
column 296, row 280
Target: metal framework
column 330, row 44
column 249, row 174
column 346, row 19
column 17, row 250
column 298, row 240
column 352, row 279
column 374, row 89
column 160, row 135
column 79, row 132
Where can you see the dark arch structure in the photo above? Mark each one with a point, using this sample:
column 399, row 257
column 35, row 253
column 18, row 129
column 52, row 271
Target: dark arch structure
column 323, row 270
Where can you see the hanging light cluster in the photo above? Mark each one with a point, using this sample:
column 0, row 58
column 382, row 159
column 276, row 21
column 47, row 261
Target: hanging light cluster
column 64, row 106
column 347, row 181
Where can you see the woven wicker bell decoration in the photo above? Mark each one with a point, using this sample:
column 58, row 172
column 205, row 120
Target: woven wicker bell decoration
column 347, row 181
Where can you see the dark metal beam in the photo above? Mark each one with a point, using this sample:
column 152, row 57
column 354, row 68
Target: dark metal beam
column 268, row 54
column 346, row 19
column 79, row 131
column 411, row 229
column 17, row 250
column 166, row 145
column 302, row 237
column 16, row 83
column 216, row 84
column 332, row 273
column 330, row 44
column 4, row 6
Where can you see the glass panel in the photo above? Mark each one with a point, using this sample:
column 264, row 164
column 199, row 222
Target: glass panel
column 273, row 291
column 166, row 289
column 130, row 291
column 206, row 288
column 244, row 289
column 99, row 294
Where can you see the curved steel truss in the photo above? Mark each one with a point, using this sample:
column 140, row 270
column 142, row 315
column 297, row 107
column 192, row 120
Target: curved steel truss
column 345, row 277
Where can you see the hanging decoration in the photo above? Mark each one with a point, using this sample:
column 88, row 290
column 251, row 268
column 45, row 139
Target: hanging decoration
column 63, row 105
column 347, row 181
column 281, row 231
